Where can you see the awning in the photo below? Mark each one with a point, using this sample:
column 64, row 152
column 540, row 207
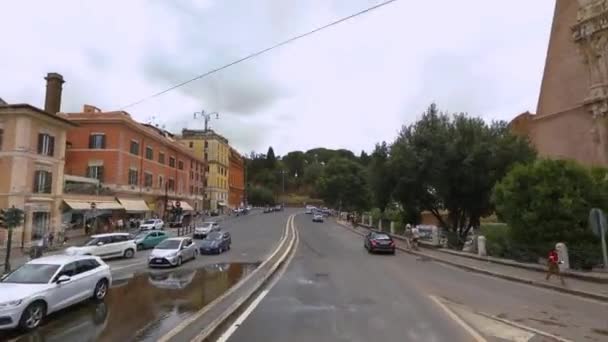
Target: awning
column 185, row 206
column 134, row 205
column 221, row 203
column 99, row 205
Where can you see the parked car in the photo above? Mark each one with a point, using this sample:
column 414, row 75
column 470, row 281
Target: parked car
column 106, row 246
column 278, row 207
column 379, row 242
column 310, row 209
column 202, row 230
column 216, row 242
column 149, row 239
column 267, row 210
column 48, row 284
column 172, row 252
column 317, row 218
column 152, row 224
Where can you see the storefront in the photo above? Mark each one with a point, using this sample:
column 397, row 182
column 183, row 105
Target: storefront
column 80, row 217
column 135, row 209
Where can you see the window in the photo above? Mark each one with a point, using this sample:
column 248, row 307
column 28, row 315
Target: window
column 119, row 238
column 172, row 161
column 191, row 144
column 191, row 175
column 97, row 141
column 133, row 177
column 134, row 149
column 148, row 179
column 43, row 182
column 191, row 190
column 171, row 184
column 191, row 163
column 149, row 153
column 1, row 135
column 46, row 144
column 206, row 144
column 86, row 265
column 68, row 270
column 95, row 171
column 161, row 180
column 206, row 156
column 161, row 157
column 180, row 165
column 207, row 168
column 40, row 224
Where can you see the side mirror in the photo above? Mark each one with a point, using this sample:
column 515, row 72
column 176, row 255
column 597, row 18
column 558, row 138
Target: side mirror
column 100, row 243
column 63, row 279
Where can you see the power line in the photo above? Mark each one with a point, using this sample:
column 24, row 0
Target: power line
column 258, row 53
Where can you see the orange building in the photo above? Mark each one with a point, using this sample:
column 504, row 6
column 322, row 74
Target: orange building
column 140, row 165
column 236, row 180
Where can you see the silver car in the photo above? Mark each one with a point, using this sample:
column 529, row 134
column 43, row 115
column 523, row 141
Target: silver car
column 49, row 284
column 172, row 252
column 201, row 231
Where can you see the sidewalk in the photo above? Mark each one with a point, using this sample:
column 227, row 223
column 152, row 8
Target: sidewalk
column 20, row 256
column 573, row 286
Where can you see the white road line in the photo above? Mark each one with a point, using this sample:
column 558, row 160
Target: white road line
column 226, row 335
column 476, row 336
column 243, row 316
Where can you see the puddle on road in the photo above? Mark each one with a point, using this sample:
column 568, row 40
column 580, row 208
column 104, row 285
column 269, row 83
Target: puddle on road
column 142, row 308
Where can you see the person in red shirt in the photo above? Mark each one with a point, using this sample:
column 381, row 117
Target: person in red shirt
column 553, row 266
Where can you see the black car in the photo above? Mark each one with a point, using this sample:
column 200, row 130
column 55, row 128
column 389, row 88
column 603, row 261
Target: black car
column 379, row 242
column 215, row 243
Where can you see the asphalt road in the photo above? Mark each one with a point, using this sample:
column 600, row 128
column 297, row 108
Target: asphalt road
column 333, row 290
column 144, row 304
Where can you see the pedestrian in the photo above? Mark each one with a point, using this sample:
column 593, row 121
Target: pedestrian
column 415, row 237
column 553, row 266
column 408, row 236
column 51, row 238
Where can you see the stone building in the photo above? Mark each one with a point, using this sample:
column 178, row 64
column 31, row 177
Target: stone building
column 570, row 120
column 236, row 180
column 32, row 160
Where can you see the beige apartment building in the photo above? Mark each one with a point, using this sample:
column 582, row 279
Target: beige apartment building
column 32, row 156
column 215, row 151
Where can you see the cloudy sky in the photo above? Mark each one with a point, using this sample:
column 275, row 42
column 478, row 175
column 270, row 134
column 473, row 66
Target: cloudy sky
column 349, row 86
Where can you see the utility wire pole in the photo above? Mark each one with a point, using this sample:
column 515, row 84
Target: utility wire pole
column 206, row 116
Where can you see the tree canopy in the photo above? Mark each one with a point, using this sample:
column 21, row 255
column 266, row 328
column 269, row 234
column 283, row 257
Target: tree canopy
column 343, row 184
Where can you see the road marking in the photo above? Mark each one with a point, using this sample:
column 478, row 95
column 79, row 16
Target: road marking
column 243, row 316
column 189, row 320
column 476, row 336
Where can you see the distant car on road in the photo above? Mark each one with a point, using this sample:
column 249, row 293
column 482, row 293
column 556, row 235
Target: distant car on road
column 379, row 242
column 278, row 207
column 106, row 246
column 310, row 209
column 172, row 252
column 149, row 239
column 48, row 284
column 216, row 242
column 202, row 230
column 267, row 210
column 152, row 224
column 317, row 218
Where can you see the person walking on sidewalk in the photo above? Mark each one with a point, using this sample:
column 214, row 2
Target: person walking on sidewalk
column 553, row 266
column 415, row 237
column 408, row 236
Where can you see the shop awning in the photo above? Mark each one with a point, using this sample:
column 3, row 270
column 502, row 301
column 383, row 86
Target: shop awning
column 82, row 204
column 185, row 205
column 221, row 203
column 134, row 205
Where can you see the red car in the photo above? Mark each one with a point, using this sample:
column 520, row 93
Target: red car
column 379, row 242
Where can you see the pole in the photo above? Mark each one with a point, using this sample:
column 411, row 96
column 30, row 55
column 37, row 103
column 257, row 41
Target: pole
column 166, row 200
column 7, row 259
column 603, row 237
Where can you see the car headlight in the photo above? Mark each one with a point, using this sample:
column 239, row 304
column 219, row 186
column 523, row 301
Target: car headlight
column 10, row 304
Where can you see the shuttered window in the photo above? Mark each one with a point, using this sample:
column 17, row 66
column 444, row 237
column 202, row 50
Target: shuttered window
column 46, row 144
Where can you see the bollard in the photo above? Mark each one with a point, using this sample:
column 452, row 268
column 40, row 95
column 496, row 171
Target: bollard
column 481, row 246
column 392, row 227
column 562, row 253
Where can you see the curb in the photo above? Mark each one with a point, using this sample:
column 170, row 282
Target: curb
column 287, row 239
column 579, row 293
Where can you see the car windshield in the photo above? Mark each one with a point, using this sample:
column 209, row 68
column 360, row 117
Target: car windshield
column 32, row 274
column 149, row 222
column 381, row 237
column 206, row 225
column 169, row 244
column 214, row 236
column 91, row 242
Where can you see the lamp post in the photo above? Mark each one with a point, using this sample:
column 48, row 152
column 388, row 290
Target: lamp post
column 206, row 116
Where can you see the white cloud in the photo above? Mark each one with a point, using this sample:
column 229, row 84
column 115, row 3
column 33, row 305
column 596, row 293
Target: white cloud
column 347, row 87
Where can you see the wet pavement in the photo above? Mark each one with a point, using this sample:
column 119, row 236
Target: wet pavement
column 140, row 308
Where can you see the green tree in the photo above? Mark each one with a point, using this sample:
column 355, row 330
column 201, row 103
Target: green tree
column 10, row 219
column 364, row 158
column 294, row 162
column 344, row 185
column 271, row 159
column 380, row 178
column 452, row 162
column 259, row 196
column 547, row 202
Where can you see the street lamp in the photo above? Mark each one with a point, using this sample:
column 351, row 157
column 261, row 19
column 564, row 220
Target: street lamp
column 206, row 116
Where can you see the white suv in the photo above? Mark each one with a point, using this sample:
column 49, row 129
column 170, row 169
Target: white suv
column 106, row 246
column 152, row 224
column 49, row 284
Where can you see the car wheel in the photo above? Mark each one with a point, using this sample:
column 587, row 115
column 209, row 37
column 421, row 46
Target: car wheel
column 32, row 315
column 129, row 253
column 179, row 261
column 101, row 290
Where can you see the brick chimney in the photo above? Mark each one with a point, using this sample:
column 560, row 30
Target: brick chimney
column 54, row 85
